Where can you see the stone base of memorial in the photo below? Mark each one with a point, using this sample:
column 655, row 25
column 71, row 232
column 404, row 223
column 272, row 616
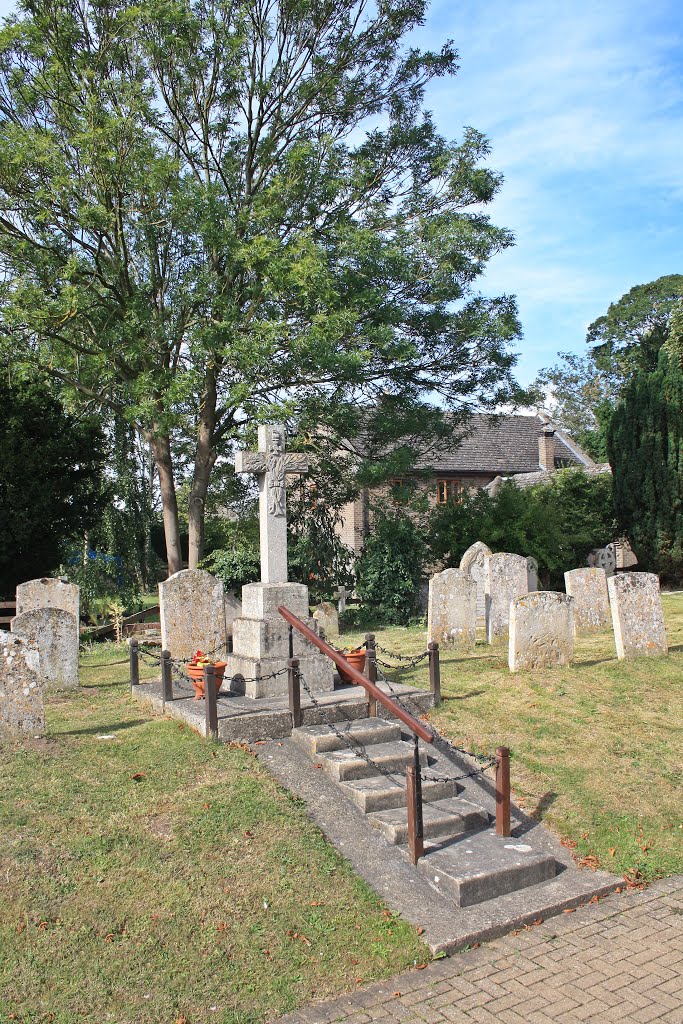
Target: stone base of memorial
column 260, row 638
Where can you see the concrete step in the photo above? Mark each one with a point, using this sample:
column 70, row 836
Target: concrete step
column 380, row 793
column 320, row 739
column 480, row 866
column 448, row 817
column 343, row 765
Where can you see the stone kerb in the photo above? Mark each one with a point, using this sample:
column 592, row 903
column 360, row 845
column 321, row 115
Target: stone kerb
column 506, row 580
column 192, row 614
column 327, row 617
column 48, row 593
column 55, row 633
column 474, row 562
column 588, row 587
column 637, row 614
column 22, row 700
column 452, row 608
column 541, row 631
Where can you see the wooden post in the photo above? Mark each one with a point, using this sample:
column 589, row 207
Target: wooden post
column 294, row 687
column 503, row 792
column 210, row 703
column 291, row 640
column 134, row 654
column 166, row 678
column 229, row 643
column 371, row 670
column 416, row 846
column 434, row 671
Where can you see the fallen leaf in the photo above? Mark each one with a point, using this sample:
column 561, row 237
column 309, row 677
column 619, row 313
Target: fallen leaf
column 315, row 904
column 420, row 967
column 612, row 850
column 539, row 920
column 398, row 994
column 358, row 981
column 569, row 910
column 138, row 776
column 420, row 931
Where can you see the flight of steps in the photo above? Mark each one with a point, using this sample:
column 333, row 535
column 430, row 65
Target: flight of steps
column 464, row 858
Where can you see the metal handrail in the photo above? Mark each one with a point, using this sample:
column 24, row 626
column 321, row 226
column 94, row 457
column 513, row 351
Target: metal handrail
column 421, row 730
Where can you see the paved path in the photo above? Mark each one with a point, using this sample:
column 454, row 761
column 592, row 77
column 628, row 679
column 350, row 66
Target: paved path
column 619, row 960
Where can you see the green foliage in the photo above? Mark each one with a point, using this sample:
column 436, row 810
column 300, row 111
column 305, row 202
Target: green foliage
column 236, row 561
column 51, row 481
column 241, row 212
column 646, row 453
column 103, row 580
column 557, row 523
column 391, row 566
column 583, row 396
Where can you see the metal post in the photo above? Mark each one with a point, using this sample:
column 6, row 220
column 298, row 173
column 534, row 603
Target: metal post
column 166, row 678
column 229, row 643
column 210, row 703
column 434, row 671
column 371, row 670
column 291, row 641
column 134, row 653
column 503, row 792
column 294, row 687
column 416, row 847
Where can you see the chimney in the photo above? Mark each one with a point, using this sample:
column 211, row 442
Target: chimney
column 546, row 448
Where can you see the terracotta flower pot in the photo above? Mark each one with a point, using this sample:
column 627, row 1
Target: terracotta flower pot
column 357, row 660
column 196, row 674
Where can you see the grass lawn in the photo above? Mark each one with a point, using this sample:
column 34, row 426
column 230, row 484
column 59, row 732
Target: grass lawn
column 596, row 747
column 150, row 877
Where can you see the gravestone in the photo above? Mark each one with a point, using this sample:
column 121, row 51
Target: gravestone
column 341, row 596
column 22, row 700
column 541, row 631
column 257, row 666
column 588, row 587
column 48, row 593
column 55, row 633
column 531, row 574
column 637, row 614
column 506, row 580
column 233, row 610
column 452, row 610
column 474, row 563
column 327, row 617
column 192, row 614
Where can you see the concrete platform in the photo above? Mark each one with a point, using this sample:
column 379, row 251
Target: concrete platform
column 246, row 720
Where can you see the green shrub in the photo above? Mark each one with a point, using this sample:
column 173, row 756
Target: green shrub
column 391, row 567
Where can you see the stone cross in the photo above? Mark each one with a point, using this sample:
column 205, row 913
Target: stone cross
column 272, row 464
column 340, row 594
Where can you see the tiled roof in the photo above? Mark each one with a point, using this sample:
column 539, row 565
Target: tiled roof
column 503, row 444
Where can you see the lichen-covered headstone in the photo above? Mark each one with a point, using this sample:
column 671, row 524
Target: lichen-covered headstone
column 55, row 633
column 192, row 614
column 327, row 617
column 22, row 701
column 506, row 579
column 48, row 593
column 474, row 562
column 541, row 631
column 637, row 614
column 452, row 610
column 588, row 587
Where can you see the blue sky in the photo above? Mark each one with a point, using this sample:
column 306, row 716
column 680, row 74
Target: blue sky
column 583, row 105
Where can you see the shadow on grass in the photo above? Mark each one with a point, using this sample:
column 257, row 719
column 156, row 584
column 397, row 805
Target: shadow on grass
column 102, row 729
column 545, row 802
column 463, row 696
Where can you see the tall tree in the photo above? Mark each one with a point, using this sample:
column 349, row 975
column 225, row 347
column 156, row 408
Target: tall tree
column 646, row 452
column 222, row 211
column 51, row 480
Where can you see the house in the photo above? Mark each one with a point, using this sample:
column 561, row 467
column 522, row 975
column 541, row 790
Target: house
column 526, row 448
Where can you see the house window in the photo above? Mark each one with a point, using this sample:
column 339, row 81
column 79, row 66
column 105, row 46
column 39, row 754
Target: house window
column 447, row 489
column 401, row 490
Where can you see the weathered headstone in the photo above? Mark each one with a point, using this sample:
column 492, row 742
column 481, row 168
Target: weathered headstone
column 327, row 617
column 341, row 596
column 474, row 563
column 541, row 631
column 55, row 633
column 452, row 611
column 531, row 574
column 637, row 614
column 22, row 701
column 192, row 614
column 506, row 579
column 48, row 593
column 588, row 587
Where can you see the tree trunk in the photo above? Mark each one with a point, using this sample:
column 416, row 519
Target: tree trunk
column 162, row 456
column 205, row 457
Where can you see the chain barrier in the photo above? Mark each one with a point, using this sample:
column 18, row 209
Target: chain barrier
column 409, row 663
column 401, row 657
column 439, row 741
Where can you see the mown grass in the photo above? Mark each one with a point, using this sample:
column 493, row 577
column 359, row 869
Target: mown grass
column 153, row 877
column 597, row 747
